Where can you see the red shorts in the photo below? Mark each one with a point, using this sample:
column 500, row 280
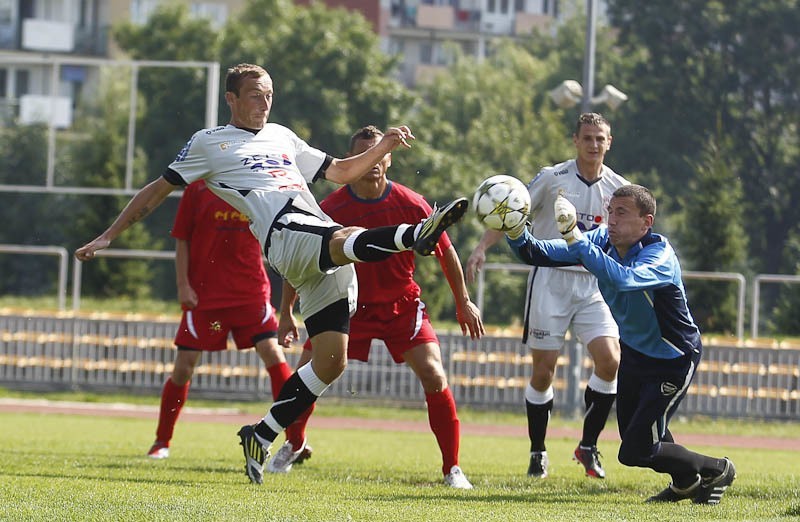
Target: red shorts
column 208, row 330
column 401, row 326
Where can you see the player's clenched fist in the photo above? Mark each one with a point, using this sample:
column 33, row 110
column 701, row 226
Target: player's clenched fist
column 566, row 219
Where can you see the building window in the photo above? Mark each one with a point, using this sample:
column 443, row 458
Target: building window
column 216, row 13
column 22, row 86
column 504, row 6
column 3, row 80
column 396, row 46
column 550, row 8
column 426, row 53
column 141, row 10
column 491, row 6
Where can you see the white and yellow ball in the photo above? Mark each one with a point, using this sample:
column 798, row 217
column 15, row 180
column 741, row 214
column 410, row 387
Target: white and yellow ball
column 502, row 202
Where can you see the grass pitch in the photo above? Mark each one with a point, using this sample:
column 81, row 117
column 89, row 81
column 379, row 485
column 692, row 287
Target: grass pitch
column 61, row 467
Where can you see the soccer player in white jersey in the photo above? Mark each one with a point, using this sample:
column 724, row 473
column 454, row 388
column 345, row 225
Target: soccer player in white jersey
column 558, row 298
column 263, row 171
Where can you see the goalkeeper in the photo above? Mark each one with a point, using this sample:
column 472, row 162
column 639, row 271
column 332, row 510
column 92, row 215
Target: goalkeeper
column 639, row 276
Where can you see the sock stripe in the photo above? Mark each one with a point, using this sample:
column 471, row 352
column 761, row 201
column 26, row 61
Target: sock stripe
column 398, row 237
column 349, row 246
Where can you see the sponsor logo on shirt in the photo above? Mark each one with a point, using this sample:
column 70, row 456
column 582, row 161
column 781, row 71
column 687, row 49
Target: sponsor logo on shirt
column 264, row 161
column 593, row 220
column 226, row 144
column 227, row 215
column 561, row 172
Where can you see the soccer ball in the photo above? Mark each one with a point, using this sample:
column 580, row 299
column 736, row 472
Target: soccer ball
column 502, row 202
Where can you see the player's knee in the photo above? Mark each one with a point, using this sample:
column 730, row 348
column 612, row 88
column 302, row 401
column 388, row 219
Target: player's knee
column 433, row 381
column 336, row 245
column 329, row 367
column 606, row 370
column 632, row 455
column 269, row 351
column 181, row 375
column 543, row 373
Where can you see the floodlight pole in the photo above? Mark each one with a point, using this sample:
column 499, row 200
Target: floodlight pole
column 588, row 55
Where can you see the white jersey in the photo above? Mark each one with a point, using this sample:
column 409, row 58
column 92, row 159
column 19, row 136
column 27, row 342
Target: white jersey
column 591, row 198
column 258, row 174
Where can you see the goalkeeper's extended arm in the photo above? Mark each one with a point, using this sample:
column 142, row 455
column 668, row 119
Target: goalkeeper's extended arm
column 566, row 219
column 517, row 232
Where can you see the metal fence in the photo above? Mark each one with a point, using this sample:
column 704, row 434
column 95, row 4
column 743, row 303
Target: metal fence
column 135, row 353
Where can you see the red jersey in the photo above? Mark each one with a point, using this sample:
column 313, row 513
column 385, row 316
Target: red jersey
column 391, row 279
column 225, row 261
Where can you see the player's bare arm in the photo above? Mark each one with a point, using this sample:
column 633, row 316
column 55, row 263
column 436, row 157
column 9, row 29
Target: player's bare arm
column 478, row 257
column 287, row 324
column 187, row 297
column 348, row 170
column 467, row 313
column 140, row 206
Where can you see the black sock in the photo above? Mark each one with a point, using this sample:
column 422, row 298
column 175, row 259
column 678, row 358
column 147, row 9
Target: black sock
column 598, row 406
column 712, row 467
column 293, row 399
column 682, row 464
column 538, row 417
column 377, row 244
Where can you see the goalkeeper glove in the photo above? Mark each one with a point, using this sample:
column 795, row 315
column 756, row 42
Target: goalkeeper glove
column 566, row 219
column 517, row 232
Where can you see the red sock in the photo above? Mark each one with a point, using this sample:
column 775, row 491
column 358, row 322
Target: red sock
column 173, row 398
column 278, row 375
column 296, row 432
column 446, row 427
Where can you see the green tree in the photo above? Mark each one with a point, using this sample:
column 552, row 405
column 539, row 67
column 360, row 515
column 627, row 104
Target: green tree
column 712, row 237
column 95, row 157
column 173, row 100
column 480, row 119
column 28, row 219
column 329, row 73
column 709, row 61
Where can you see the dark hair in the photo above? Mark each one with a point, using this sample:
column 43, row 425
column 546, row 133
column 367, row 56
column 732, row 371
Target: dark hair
column 642, row 197
column 591, row 118
column 237, row 73
column 365, row 133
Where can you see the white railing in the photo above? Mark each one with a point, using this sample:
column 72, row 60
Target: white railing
column 77, row 268
column 727, row 276
column 737, row 278
column 765, row 278
column 55, row 64
column 722, row 276
column 63, row 260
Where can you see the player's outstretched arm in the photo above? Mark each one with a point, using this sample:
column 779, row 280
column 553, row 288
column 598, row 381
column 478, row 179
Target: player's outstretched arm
column 467, row 314
column 477, row 259
column 139, row 207
column 287, row 324
column 187, row 297
column 350, row 169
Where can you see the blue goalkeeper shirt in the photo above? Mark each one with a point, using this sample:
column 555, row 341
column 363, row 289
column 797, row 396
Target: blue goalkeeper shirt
column 643, row 290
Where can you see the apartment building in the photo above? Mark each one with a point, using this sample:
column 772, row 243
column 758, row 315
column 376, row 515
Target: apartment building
column 423, row 32
column 49, row 48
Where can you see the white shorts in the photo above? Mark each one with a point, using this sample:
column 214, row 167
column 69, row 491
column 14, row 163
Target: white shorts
column 557, row 298
column 295, row 243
